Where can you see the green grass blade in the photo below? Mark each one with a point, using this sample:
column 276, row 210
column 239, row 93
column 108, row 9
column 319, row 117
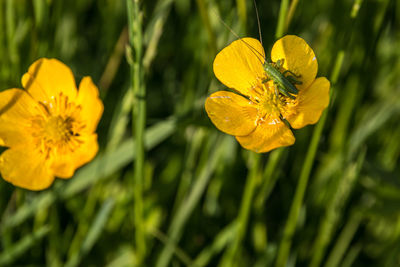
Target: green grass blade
column 154, row 31
column 344, row 240
column 222, row 239
column 334, row 209
column 138, row 119
column 179, row 220
column 94, row 233
column 17, row 250
column 280, row 28
column 232, row 254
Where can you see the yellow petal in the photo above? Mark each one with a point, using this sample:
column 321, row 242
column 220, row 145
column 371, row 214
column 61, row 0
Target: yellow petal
column 16, row 107
column 23, row 166
column 267, row 136
column 231, row 113
column 298, row 57
column 311, row 102
column 64, row 164
column 48, row 78
column 92, row 107
column 240, row 65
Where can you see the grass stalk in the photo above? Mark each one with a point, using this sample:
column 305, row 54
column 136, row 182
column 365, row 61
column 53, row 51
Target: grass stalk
column 242, row 11
column 232, row 252
column 280, row 28
column 344, row 240
column 292, row 9
column 269, row 178
column 222, row 239
column 211, row 158
column 290, row 226
column 343, row 188
column 12, row 48
column 205, row 18
column 138, row 118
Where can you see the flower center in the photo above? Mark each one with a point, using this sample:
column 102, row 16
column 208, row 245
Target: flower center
column 57, row 127
column 272, row 105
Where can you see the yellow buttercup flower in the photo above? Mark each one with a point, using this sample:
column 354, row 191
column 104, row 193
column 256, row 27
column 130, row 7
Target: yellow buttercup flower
column 49, row 128
column 257, row 116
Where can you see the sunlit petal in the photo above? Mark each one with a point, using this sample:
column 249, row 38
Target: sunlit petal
column 64, row 164
column 16, row 108
column 48, row 78
column 23, row 166
column 92, row 107
column 311, row 102
column 267, row 136
column 231, row 113
column 240, row 65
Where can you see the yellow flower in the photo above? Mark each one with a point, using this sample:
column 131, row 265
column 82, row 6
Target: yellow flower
column 256, row 116
column 49, row 128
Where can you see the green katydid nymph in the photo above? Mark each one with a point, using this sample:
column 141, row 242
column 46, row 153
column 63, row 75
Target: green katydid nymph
column 285, row 84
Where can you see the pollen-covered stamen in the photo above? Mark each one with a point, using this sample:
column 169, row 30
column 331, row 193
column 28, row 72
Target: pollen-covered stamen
column 57, row 125
column 57, row 129
column 273, row 106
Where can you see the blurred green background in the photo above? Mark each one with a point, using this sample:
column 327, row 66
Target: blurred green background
column 198, row 198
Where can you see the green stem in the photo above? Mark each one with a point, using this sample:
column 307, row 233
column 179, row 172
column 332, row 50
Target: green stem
column 269, row 178
column 294, row 212
column 211, row 158
column 343, row 188
column 139, row 120
column 292, row 9
column 207, row 23
column 11, row 43
column 242, row 10
column 280, row 28
column 344, row 240
column 231, row 254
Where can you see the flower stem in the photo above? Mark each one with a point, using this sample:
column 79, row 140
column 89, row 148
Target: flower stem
column 280, row 28
column 284, row 247
column 139, row 120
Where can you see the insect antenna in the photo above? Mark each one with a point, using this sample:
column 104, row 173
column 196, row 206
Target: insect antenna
column 255, row 51
column 258, row 22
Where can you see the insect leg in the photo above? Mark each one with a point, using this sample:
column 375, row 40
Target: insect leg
column 266, row 80
column 279, row 63
column 285, row 121
column 276, row 89
column 293, row 80
column 284, row 92
column 288, row 71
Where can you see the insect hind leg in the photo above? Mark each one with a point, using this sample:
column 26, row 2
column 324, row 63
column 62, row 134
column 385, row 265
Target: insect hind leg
column 284, row 92
column 291, row 73
column 266, row 80
column 293, row 80
column 292, row 77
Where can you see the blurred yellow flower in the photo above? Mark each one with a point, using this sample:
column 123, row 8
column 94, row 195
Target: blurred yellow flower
column 49, row 128
column 257, row 116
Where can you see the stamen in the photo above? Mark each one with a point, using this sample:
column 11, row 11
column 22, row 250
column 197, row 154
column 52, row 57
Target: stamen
column 272, row 105
column 57, row 126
